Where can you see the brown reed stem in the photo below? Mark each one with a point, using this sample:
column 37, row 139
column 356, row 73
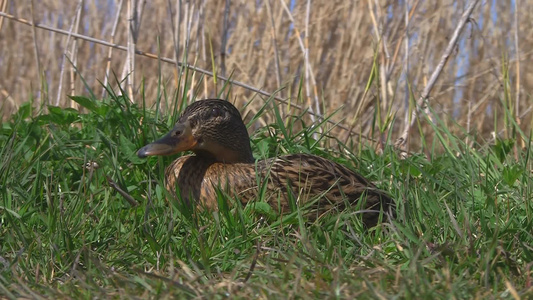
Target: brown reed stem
column 421, row 103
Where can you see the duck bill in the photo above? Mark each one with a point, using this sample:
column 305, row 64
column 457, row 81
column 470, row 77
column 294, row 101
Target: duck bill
column 179, row 139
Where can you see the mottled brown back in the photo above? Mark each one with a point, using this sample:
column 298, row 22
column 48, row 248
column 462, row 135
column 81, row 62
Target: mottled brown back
column 306, row 177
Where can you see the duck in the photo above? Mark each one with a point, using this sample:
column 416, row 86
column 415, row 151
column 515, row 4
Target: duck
column 223, row 160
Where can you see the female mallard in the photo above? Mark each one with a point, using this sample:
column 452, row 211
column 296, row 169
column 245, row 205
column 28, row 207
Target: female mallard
column 213, row 129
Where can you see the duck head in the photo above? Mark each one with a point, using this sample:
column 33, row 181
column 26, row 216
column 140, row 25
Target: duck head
column 212, row 129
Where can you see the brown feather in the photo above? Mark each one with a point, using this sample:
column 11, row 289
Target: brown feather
column 308, row 176
column 214, row 131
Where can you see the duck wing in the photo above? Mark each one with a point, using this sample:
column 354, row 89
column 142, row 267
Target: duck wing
column 303, row 179
column 326, row 184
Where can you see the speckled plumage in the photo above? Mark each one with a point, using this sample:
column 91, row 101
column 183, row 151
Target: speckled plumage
column 217, row 124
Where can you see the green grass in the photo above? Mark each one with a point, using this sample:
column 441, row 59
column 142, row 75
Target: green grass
column 463, row 226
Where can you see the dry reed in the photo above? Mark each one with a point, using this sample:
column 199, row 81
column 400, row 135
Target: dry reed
column 333, row 46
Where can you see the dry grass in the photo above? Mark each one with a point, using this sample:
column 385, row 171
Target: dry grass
column 330, row 47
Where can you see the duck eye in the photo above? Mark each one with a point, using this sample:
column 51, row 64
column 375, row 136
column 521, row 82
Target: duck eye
column 216, row 112
column 176, row 132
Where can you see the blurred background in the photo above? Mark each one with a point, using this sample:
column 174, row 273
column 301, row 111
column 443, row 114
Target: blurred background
column 370, row 59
